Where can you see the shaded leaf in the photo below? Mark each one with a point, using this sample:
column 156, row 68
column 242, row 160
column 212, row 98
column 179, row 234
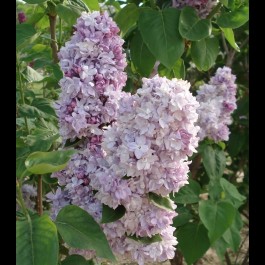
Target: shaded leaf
column 216, row 217
column 214, row 161
column 110, row 215
column 231, row 193
column 33, row 236
column 234, row 19
column 177, row 71
column 188, row 194
column 142, row 58
column 146, row 240
column 68, row 13
column 183, row 216
column 193, row 241
column 191, row 27
column 127, row 18
column 159, row 30
column 159, row 201
column 204, row 53
column 79, row 230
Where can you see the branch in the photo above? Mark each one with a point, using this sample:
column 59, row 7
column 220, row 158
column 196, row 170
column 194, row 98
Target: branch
column 52, row 19
column 227, row 259
column 195, row 165
column 178, row 259
column 231, row 55
column 39, row 194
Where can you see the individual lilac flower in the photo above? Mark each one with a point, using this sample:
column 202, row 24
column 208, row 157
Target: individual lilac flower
column 21, row 17
column 203, row 7
column 93, row 64
column 217, row 102
column 58, row 200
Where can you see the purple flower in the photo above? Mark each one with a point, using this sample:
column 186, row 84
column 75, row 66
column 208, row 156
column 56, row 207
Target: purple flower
column 21, row 17
column 217, row 102
column 93, row 64
column 203, row 7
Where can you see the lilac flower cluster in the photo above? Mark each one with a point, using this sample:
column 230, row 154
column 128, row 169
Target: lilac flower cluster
column 203, row 7
column 93, row 66
column 149, row 144
column 21, row 17
column 217, row 102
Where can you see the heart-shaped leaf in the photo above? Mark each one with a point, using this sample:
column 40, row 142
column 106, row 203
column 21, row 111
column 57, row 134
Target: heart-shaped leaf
column 159, row 30
column 191, row 27
column 79, row 230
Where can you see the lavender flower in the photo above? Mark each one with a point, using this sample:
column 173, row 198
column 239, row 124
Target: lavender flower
column 154, row 134
column 150, row 142
column 21, row 17
column 203, row 7
column 217, row 102
column 93, row 66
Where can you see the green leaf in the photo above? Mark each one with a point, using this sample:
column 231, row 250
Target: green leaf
column 232, row 234
column 110, row 215
column 92, row 4
column 234, row 19
column 229, row 35
column 183, row 216
column 32, row 75
column 193, row 241
column 216, row 217
column 159, row 201
column 36, row 242
column 220, row 246
column 214, row 160
column 68, row 13
column 75, row 260
column 142, row 58
column 146, row 240
column 231, row 193
column 79, row 230
column 41, row 140
column 159, row 30
column 44, row 105
column 237, row 140
column 204, row 53
column 191, row 27
column 80, row 4
column 188, row 194
column 32, row 112
column 48, row 162
column 25, row 33
column 127, row 18
column 34, row 1
column 177, row 71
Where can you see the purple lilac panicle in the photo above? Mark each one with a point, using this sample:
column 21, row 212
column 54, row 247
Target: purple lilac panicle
column 217, row 102
column 150, row 142
column 93, row 66
column 203, row 7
